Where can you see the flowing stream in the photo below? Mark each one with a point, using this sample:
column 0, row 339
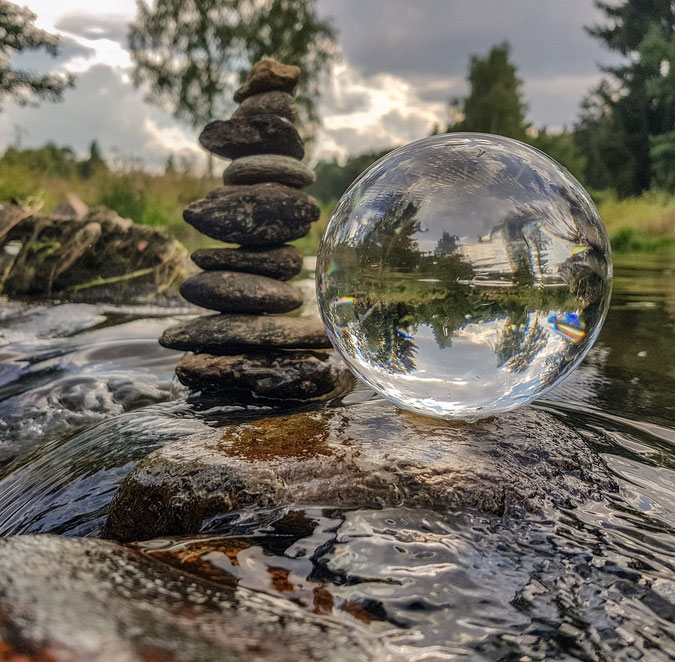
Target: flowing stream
column 86, row 391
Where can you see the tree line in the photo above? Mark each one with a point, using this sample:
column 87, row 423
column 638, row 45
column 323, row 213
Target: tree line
column 190, row 55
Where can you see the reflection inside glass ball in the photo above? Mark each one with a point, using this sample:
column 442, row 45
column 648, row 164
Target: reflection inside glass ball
column 463, row 275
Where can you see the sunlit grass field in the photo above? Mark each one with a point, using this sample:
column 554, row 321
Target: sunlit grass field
column 643, row 224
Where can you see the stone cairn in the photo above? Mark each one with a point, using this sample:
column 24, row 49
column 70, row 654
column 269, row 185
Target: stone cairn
column 248, row 350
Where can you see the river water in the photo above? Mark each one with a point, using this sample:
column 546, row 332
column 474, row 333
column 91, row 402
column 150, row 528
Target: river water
column 86, row 391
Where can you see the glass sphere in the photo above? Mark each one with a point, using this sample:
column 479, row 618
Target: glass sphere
column 464, row 275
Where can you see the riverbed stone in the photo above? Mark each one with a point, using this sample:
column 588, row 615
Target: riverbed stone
column 254, row 215
column 289, row 375
column 269, row 74
column 260, row 134
column 232, row 292
column 275, row 102
column 232, row 334
column 365, row 456
column 281, row 263
column 268, row 168
column 87, row 600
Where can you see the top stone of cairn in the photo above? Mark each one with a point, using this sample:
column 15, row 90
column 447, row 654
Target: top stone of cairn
column 266, row 75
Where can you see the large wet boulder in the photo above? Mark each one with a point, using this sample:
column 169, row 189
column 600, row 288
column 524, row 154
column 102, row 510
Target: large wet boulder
column 87, row 256
column 86, row 600
column 369, row 455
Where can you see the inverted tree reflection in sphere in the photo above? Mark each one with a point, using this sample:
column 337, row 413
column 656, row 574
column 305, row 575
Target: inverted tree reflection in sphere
column 463, row 275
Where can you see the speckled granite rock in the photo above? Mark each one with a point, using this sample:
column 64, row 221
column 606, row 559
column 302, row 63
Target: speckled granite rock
column 275, row 102
column 232, row 334
column 281, row 263
column 268, row 74
column 86, row 600
column 243, row 136
column 232, row 292
column 268, row 168
column 247, row 378
column 368, row 456
column 255, row 215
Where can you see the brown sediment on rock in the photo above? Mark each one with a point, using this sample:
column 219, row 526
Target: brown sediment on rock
column 363, row 456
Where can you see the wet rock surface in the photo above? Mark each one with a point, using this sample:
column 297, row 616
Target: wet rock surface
column 231, row 334
column 255, row 215
column 281, row 263
column 275, row 102
column 268, row 168
column 69, row 599
column 232, row 292
column 270, row 376
column 244, row 136
column 366, row 456
column 268, row 74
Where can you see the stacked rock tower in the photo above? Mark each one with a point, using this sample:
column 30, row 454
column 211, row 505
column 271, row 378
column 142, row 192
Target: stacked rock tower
column 249, row 349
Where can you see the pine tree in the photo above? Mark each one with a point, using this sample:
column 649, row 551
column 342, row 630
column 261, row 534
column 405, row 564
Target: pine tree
column 495, row 103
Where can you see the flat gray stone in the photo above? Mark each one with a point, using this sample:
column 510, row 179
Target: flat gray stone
column 268, row 74
column 282, row 263
column 275, row 102
column 83, row 600
column 233, row 334
column 268, row 168
column 254, row 215
column 364, row 456
column 233, row 292
column 260, row 134
column 250, row 378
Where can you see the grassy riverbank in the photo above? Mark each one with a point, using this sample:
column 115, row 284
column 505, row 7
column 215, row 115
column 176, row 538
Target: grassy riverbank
column 643, row 224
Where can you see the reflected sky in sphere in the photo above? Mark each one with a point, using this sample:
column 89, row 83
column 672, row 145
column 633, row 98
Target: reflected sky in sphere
column 463, row 275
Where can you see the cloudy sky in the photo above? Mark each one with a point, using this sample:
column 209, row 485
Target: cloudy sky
column 401, row 62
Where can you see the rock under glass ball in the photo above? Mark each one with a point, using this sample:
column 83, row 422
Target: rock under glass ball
column 464, row 275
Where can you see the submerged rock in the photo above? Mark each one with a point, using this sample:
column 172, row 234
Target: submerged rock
column 232, row 334
column 268, row 74
column 97, row 257
column 232, row 292
column 285, row 375
column 260, row 134
column 268, row 168
column 282, row 263
column 366, row 456
column 79, row 599
column 254, row 215
column 275, row 102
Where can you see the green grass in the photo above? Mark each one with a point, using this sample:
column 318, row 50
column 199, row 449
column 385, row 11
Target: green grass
column 640, row 224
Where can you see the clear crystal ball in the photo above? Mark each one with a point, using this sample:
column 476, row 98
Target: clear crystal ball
column 464, row 275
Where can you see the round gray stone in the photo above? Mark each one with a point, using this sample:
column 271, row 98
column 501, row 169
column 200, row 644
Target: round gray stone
column 233, row 334
column 254, row 215
column 268, row 168
column 243, row 136
column 233, row 292
column 282, row 263
column 275, row 102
